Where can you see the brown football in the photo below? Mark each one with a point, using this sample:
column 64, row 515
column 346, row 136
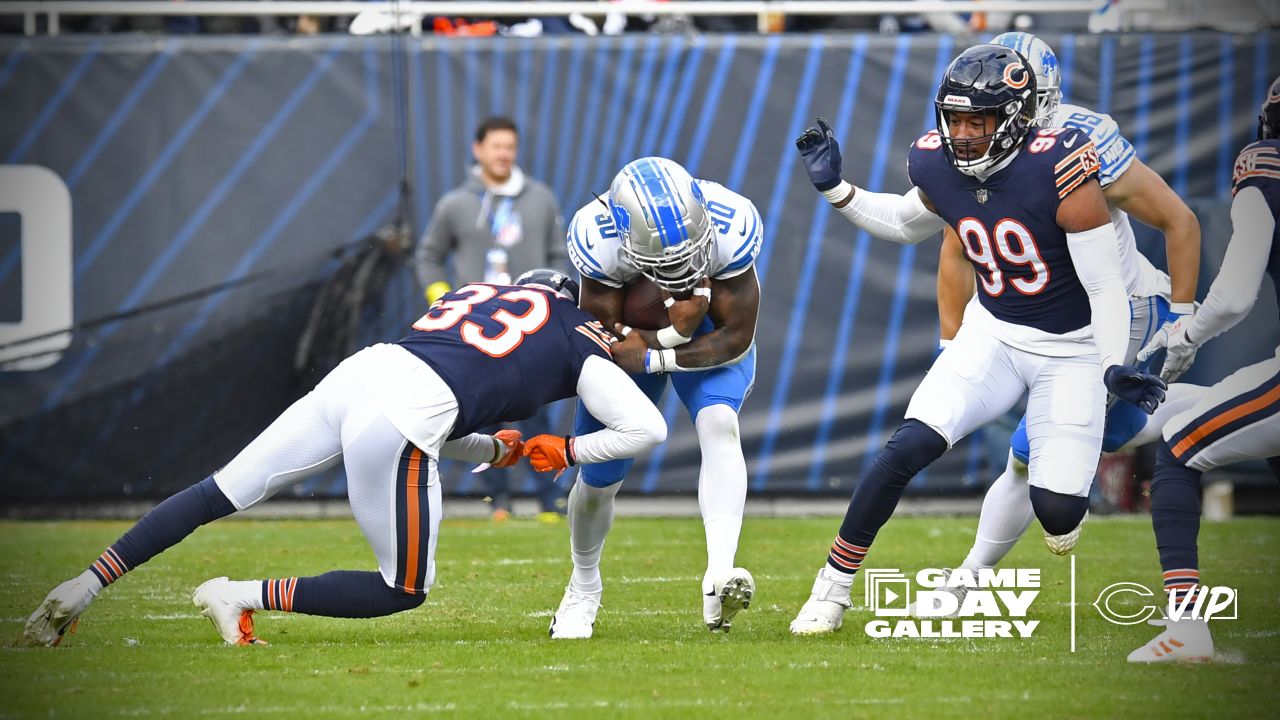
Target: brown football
column 643, row 308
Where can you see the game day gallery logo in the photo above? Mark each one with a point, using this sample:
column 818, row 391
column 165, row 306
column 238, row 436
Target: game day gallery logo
column 952, row 604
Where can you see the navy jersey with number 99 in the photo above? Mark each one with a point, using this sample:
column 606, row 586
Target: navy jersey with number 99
column 1008, row 225
column 505, row 350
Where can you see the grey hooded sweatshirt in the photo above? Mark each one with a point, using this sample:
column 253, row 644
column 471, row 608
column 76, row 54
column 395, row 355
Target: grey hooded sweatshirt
column 520, row 217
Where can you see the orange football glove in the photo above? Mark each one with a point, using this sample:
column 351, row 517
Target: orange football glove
column 550, row 452
column 512, row 448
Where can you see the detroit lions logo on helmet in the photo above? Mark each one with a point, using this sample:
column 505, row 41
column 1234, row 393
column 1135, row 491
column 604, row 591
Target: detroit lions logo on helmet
column 621, row 218
column 1016, row 76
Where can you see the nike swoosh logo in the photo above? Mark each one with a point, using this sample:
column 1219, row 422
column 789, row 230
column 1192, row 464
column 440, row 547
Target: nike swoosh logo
column 1070, row 142
column 743, row 231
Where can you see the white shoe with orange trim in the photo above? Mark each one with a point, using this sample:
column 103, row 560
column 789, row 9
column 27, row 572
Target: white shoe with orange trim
column 824, row 611
column 1185, row 640
column 233, row 623
column 59, row 613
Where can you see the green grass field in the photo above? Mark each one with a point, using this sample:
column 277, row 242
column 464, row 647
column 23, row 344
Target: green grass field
column 479, row 646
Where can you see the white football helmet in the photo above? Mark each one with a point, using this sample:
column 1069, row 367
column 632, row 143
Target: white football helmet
column 661, row 217
column 1045, row 64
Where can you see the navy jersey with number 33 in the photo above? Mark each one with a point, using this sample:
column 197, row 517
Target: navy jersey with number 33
column 505, row 350
column 1008, row 225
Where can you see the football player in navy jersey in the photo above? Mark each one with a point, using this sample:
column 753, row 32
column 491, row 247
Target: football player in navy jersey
column 1156, row 299
column 1051, row 319
column 482, row 355
column 1234, row 420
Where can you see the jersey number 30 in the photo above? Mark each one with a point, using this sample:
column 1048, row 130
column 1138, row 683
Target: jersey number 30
column 982, row 252
column 447, row 313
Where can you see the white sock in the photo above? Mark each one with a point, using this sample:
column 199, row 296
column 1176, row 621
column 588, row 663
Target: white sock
column 246, row 594
column 590, row 517
column 1006, row 515
column 722, row 488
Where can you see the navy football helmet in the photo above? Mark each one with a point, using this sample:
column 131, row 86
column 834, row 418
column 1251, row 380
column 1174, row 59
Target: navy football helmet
column 1269, row 116
column 554, row 280
column 997, row 82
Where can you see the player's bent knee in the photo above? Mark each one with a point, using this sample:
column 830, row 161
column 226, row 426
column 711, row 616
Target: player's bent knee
column 1058, row 513
column 398, row 600
column 911, row 449
column 718, row 421
column 601, row 476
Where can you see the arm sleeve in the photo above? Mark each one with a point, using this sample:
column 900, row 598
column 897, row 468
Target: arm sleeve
column 476, row 448
column 433, row 248
column 1096, row 256
column 1236, row 287
column 896, row 218
column 632, row 423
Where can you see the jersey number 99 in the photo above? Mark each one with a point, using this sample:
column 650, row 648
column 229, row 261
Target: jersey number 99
column 981, row 250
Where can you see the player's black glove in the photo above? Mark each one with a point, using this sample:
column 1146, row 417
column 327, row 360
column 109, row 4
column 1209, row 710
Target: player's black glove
column 1135, row 387
column 821, row 155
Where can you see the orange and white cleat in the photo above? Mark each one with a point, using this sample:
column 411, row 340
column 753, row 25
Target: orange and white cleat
column 233, row 623
column 1182, row 641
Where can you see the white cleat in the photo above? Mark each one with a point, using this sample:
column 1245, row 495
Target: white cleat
column 576, row 617
column 1182, row 641
column 960, row 591
column 1064, row 544
column 58, row 614
column 729, row 596
column 233, row 623
column 824, row 611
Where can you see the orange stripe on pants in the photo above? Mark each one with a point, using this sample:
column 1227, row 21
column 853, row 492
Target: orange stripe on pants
column 1226, row 417
column 411, row 518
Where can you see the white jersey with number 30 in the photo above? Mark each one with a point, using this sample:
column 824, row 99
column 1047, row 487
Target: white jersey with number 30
column 596, row 249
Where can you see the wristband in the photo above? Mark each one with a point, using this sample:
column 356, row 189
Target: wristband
column 669, row 337
column 657, row 361
column 568, row 451
column 497, row 450
column 1182, row 309
column 838, row 193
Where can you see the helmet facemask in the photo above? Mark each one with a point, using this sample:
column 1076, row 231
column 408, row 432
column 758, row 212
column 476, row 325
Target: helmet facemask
column 1012, row 121
column 679, row 268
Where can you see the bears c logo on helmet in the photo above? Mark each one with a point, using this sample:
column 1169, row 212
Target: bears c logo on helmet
column 1016, row 69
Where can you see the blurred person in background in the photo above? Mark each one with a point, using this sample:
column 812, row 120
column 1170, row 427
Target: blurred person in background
column 497, row 225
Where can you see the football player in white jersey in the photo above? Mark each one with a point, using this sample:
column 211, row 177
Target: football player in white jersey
column 1155, row 299
column 697, row 241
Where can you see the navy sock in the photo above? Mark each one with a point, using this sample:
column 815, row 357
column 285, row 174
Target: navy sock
column 1058, row 514
column 909, row 451
column 341, row 593
column 164, row 526
column 1175, row 516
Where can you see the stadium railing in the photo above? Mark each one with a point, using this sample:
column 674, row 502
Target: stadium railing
column 766, row 11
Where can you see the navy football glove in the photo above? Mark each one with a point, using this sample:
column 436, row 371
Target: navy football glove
column 1135, row 387
column 821, row 155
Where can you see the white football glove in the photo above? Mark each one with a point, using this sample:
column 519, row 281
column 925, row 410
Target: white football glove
column 1180, row 350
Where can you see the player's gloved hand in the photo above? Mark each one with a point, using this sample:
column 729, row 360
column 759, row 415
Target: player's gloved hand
column 821, row 155
column 1135, row 387
column 686, row 315
column 510, row 448
column 1180, row 350
column 550, row 452
column 435, row 290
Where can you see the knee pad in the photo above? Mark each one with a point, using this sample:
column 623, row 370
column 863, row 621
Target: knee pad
column 1058, row 514
column 1020, row 444
column 911, row 449
column 717, row 421
column 400, row 600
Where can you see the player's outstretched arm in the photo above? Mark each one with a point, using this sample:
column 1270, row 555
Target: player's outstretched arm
column 1234, row 290
column 955, row 285
column 1142, row 193
column 905, row 218
column 735, row 304
column 1095, row 253
column 632, row 425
